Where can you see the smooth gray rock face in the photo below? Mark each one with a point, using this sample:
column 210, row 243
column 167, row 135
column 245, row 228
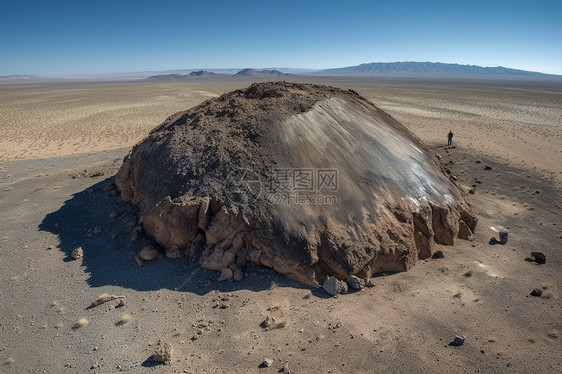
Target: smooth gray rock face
column 309, row 180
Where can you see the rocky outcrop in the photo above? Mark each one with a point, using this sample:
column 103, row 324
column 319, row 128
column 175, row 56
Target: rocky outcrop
column 309, row 180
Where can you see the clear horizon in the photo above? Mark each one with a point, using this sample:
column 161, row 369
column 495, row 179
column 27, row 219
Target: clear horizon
column 71, row 38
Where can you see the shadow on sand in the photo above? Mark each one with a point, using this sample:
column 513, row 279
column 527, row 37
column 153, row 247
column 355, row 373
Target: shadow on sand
column 85, row 221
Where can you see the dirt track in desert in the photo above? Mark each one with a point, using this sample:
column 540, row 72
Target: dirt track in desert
column 62, row 143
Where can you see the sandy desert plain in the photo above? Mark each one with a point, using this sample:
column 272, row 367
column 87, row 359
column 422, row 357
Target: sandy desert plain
column 61, row 143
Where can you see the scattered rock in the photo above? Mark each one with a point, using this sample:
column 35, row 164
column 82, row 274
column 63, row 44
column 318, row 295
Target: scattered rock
column 472, row 191
column 355, row 283
column 163, row 352
column 369, row 283
column 266, row 363
column 271, row 323
column 120, row 304
column 81, row 322
column 226, row 274
column 77, row 254
column 237, row 275
column 437, row 254
column 538, row 257
column 536, row 292
column 487, row 167
column 9, row 361
column 268, row 322
column 503, row 235
column 285, row 369
column 458, row 341
column 334, row 286
column 149, row 253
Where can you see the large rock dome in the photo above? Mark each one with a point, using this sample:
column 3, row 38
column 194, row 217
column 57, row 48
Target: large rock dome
column 308, row 180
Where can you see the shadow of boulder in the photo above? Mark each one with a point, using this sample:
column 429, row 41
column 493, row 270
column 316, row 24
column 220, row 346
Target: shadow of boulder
column 101, row 222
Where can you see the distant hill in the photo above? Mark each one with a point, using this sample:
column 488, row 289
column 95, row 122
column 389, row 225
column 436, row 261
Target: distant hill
column 193, row 74
column 427, row 69
column 259, row 73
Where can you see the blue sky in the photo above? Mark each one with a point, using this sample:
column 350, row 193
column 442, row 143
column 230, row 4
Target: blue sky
column 85, row 37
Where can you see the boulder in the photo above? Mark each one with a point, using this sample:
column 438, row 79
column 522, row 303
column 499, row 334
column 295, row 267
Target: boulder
column 311, row 181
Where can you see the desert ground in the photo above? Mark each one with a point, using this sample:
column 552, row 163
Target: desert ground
column 62, row 143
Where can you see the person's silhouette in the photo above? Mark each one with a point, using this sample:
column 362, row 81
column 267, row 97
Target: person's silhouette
column 450, row 138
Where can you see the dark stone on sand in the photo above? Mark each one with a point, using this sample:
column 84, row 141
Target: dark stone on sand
column 536, row 292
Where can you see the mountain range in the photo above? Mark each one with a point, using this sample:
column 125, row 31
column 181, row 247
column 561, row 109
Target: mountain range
column 426, row 68
column 408, row 69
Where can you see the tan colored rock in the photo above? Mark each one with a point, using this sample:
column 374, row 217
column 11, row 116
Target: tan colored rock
column 445, row 224
column 149, row 253
column 163, row 352
column 224, row 225
column 464, row 231
column 173, row 222
column 77, row 254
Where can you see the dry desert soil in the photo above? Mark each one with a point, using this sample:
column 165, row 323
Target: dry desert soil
column 61, row 145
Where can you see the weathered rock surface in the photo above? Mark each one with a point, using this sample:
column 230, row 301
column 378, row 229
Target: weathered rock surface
column 163, row 352
column 355, row 283
column 309, row 180
column 334, row 286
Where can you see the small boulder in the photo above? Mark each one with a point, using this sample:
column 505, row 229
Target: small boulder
column 538, row 257
column 77, row 254
column 149, row 253
column 334, row 286
column 536, row 292
column 355, row 283
column 266, row 363
column 237, row 275
column 268, row 322
column 458, row 341
column 163, row 352
column 226, row 274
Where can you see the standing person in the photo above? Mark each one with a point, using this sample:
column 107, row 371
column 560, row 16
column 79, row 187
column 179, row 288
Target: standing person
column 450, row 138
